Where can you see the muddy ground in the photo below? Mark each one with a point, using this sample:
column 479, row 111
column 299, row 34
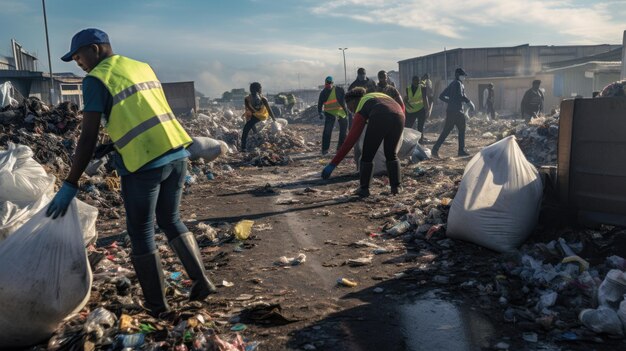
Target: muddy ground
column 410, row 299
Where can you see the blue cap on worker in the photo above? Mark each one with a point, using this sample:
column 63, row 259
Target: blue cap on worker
column 329, row 79
column 83, row 38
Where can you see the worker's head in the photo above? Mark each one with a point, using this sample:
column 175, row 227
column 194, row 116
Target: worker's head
column 89, row 47
column 353, row 97
column 255, row 88
column 490, row 85
column 460, row 74
column 382, row 77
column 425, row 76
column 415, row 80
column 360, row 73
column 536, row 83
column 328, row 82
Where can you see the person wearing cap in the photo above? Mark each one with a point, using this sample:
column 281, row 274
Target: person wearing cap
column 385, row 87
column 257, row 109
column 488, row 101
column 454, row 96
column 150, row 157
column 385, row 124
column 532, row 102
column 331, row 106
column 416, row 106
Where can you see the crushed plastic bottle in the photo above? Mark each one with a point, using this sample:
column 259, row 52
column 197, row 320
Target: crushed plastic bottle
column 98, row 322
column 399, row 228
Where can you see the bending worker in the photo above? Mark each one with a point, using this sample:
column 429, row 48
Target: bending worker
column 257, row 110
column 454, row 95
column 385, row 120
column 149, row 155
column 416, row 106
column 332, row 100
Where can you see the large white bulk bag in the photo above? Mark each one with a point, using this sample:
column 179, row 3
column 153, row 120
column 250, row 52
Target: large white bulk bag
column 497, row 204
column 206, row 148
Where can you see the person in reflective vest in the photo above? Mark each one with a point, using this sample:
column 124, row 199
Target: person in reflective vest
column 150, row 157
column 385, row 124
column 331, row 107
column 291, row 102
column 257, row 110
column 416, row 106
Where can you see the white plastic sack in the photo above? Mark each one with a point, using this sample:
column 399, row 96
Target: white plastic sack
column 206, row 148
column 6, row 95
column 602, row 320
column 497, row 204
column 24, row 187
column 283, row 122
column 612, row 290
column 44, row 277
column 405, row 150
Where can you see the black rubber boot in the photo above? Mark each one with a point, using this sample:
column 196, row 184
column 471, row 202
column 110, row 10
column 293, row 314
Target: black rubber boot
column 366, row 171
column 188, row 252
column 395, row 176
column 150, row 276
column 434, row 153
column 463, row 153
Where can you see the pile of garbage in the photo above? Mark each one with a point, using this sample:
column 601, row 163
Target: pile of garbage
column 539, row 139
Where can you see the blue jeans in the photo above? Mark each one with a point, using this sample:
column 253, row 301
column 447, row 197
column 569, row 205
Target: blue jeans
column 154, row 192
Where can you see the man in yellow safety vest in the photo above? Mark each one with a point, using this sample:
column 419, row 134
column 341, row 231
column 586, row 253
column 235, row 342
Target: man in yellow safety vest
column 334, row 108
column 416, row 106
column 149, row 155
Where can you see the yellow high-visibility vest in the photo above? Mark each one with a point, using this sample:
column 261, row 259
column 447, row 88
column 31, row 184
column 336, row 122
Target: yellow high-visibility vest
column 333, row 107
column 416, row 102
column 141, row 125
column 370, row 96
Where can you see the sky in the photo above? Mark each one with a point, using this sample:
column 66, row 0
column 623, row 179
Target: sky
column 290, row 44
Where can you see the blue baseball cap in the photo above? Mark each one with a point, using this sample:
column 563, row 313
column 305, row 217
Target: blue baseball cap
column 83, row 38
column 329, row 79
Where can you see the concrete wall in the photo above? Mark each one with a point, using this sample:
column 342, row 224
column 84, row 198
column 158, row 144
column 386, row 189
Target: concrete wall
column 181, row 96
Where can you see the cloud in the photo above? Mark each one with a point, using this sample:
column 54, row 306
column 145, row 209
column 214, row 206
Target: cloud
column 583, row 22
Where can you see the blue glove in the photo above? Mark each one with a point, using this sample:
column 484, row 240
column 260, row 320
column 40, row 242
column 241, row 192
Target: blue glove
column 322, row 115
column 328, row 170
column 61, row 200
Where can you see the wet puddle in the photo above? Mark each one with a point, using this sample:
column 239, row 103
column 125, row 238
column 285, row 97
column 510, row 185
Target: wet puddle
column 430, row 323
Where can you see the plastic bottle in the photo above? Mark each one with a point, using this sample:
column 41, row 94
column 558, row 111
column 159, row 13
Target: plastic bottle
column 346, row 282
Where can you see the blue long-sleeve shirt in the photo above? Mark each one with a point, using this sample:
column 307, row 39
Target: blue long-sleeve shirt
column 454, row 96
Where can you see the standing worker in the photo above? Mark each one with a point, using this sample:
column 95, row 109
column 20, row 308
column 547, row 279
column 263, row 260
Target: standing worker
column 532, row 102
column 363, row 82
column 150, row 157
column 257, row 110
column 454, row 96
column 385, row 119
column 416, row 106
column 332, row 100
column 291, row 102
column 384, row 87
column 488, row 101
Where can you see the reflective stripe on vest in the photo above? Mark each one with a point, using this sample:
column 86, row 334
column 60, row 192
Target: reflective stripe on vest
column 416, row 102
column 370, row 96
column 141, row 124
column 332, row 106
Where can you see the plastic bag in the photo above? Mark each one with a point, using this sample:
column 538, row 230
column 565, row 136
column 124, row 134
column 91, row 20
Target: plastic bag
column 404, row 150
column 497, row 204
column 6, row 95
column 612, row 289
column 206, row 148
column 24, row 187
column 44, row 275
column 602, row 320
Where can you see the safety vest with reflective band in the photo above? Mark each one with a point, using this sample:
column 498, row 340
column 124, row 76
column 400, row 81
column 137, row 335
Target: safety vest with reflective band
column 332, row 106
column 416, row 102
column 141, row 124
column 370, row 96
column 261, row 114
column 291, row 99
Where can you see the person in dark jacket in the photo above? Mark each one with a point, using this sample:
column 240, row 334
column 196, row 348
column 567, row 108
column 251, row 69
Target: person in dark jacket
column 385, row 87
column 454, row 96
column 532, row 102
column 416, row 106
column 363, row 82
column 385, row 120
column 334, row 108
column 489, row 99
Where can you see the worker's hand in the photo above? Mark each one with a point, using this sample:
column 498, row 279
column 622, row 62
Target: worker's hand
column 322, row 115
column 328, row 170
column 61, row 200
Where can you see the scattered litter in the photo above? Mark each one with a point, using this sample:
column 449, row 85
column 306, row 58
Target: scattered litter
column 291, row 261
column 243, row 229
